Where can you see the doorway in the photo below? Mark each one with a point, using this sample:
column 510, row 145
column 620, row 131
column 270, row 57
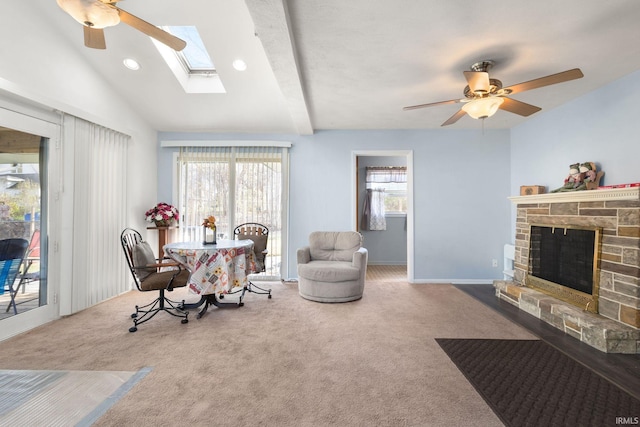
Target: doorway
column 393, row 246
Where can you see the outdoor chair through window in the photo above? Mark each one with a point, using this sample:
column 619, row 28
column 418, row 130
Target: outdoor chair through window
column 32, row 256
column 12, row 252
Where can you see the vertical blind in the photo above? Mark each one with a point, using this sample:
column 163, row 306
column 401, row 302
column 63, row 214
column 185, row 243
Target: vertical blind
column 100, row 164
column 236, row 185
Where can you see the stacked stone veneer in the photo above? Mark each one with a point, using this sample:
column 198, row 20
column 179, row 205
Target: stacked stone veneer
column 617, row 211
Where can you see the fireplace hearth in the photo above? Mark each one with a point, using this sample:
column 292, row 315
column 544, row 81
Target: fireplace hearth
column 608, row 317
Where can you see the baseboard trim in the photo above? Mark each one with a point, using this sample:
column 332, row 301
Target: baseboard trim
column 455, row 281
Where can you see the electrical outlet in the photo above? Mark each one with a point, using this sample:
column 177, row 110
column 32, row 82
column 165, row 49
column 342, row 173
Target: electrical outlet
column 494, row 263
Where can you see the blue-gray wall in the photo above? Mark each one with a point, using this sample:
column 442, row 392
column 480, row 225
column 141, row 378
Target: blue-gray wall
column 461, row 185
column 602, row 126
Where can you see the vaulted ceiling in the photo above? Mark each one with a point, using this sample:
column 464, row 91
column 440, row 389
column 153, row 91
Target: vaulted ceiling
column 336, row 64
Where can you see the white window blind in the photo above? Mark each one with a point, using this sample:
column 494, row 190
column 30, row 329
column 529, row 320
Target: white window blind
column 236, row 185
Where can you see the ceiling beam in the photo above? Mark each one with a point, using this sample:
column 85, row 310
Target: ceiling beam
column 273, row 28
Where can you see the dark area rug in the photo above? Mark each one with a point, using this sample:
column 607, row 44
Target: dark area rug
column 530, row 383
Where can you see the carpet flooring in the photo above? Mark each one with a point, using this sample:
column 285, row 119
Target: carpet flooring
column 530, row 383
column 280, row 362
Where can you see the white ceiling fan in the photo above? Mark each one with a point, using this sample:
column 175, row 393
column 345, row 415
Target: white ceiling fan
column 484, row 96
column 95, row 15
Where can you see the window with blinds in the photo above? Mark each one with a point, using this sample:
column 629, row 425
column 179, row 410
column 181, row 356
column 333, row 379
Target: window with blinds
column 236, row 185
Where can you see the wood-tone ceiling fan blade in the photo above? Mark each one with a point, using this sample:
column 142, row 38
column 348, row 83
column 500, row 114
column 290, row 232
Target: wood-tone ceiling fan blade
column 518, row 107
column 415, row 107
column 478, row 81
column 552, row 79
column 457, row 116
column 151, row 30
column 94, row 38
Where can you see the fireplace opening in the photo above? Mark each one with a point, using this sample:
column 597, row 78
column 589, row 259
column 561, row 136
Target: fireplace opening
column 564, row 261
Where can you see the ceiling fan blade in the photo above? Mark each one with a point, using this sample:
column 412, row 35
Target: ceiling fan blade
column 564, row 76
column 518, row 107
column 457, row 116
column 415, row 107
column 151, row 30
column 478, row 81
column 94, row 38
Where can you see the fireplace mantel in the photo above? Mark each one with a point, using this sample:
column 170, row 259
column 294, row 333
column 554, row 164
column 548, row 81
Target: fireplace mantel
column 607, row 194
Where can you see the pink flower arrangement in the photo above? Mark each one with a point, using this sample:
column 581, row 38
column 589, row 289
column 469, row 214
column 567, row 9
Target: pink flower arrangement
column 162, row 212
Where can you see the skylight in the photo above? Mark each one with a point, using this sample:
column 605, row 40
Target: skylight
column 194, row 57
column 192, row 66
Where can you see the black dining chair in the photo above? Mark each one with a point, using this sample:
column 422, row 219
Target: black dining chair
column 259, row 234
column 151, row 274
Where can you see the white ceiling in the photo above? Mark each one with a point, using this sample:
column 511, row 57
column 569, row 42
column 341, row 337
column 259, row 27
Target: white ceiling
column 336, row 64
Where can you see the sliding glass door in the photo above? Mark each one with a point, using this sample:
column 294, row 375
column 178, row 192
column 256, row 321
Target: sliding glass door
column 237, row 185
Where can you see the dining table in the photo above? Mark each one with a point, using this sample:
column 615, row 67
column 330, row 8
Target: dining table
column 215, row 270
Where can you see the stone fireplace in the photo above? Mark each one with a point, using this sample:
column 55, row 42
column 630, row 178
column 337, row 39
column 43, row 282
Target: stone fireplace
column 614, row 325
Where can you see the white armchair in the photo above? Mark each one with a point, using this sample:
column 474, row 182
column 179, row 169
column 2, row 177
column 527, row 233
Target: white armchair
column 333, row 267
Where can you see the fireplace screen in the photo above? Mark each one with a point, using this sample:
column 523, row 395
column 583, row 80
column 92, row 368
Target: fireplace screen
column 563, row 262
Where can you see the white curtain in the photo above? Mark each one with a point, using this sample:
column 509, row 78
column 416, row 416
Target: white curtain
column 377, row 219
column 386, row 174
column 99, row 212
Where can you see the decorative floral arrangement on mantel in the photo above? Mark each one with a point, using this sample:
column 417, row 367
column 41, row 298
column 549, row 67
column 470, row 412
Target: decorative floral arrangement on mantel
column 209, row 224
column 162, row 215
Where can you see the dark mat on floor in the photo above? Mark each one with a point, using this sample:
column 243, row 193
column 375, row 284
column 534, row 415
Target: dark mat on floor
column 530, row 383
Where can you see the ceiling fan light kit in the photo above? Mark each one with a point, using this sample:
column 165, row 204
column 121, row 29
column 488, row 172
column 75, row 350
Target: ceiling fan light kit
column 91, row 13
column 485, row 96
column 482, row 108
column 95, row 15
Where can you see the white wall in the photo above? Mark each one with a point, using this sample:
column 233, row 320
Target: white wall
column 460, row 193
column 53, row 75
column 39, row 76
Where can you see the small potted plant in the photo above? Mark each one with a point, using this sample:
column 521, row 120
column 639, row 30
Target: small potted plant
column 209, row 224
column 162, row 215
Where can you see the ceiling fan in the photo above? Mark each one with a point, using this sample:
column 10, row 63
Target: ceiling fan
column 484, row 96
column 95, row 15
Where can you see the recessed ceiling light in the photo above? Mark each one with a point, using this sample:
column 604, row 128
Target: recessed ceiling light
column 239, row 65
column 131, row 64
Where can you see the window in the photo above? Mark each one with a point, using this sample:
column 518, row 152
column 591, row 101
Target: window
column 194, row 57
column 393, row 181
column 192, row 66
column 22, row 206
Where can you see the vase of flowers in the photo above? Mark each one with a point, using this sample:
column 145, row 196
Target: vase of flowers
column 209, row 230
column 162, row 215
